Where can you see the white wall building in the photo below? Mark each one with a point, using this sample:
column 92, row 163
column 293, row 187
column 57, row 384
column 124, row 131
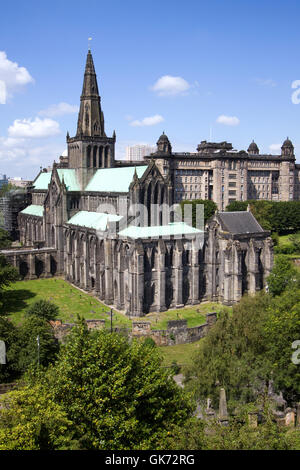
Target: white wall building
column 138, row 152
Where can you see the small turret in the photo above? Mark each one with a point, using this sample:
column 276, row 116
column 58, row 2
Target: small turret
column 253, row 149
column 163, row 144
column 287, row 149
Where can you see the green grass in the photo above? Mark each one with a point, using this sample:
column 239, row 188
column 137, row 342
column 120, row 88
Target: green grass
column 195, row 315
column 71, row 301
column 181, row 353
column 284, row 239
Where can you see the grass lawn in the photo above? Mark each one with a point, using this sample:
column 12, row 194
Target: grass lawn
column 284, row 239
column 194, row 315
column 71, row 301
column 181, row 353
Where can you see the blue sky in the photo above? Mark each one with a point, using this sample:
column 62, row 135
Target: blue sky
column 185, row 65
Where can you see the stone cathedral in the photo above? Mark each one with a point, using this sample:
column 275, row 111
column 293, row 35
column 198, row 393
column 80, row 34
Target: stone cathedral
column 111, row 228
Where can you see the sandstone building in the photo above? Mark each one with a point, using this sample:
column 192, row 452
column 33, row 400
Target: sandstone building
column 222, row 174
column 111, row 228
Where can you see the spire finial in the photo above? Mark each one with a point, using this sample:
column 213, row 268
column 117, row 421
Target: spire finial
column 89, row 47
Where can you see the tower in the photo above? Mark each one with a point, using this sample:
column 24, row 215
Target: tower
column 90, row 149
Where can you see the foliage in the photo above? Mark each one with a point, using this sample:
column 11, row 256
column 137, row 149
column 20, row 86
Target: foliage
column 282, row 329
column 175, row 367
column 233, row 355
column 295, row 240
column 281, row 217
column 246, row 351
column 283, row 275
column 10, row 335
column 30, row 329
column 275, row 238
column 8, row 274
column 43, row 309
column 210, row 208
column 115, row 393
column 5, row 239
column 239, row 434
column 31, row 420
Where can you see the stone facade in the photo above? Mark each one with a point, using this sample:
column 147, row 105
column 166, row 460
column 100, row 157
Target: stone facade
column 218, row 172
column 110, row 228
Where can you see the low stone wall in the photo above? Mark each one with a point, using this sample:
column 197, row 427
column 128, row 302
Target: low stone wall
column 177, row 331
column 62, row 329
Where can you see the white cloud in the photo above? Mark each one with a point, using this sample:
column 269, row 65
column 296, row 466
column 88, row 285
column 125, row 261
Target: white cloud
column 266, row 82
column 168, row 85
column 59, row 110
column 12, row 77
column 228, row 120
column 36, row 128
column 275, row 147
column 148, row 121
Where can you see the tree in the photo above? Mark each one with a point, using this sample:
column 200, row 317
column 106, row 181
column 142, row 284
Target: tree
column 43, row 309
column 31, row 420
column 9, row 333
column 282, row 329
column 239, row 434
column 282, row 275
column 5, row 239
column 115, row 392
column 210, row 208
column 8, row 274
column 233, row 355
column 32, row 328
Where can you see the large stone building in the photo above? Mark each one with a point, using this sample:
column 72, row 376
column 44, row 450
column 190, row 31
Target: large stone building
column 222, row 174
column 111, row 228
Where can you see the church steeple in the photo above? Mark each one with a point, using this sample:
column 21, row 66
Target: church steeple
column 90, row 117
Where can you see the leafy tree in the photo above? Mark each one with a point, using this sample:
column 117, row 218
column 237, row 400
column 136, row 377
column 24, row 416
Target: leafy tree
column 233, row 355
column 210, row 208
column 43, row 309
column 31, row 420
column 115, row 392
column 8, row 274
column 9, row 333
column 31, row 328
column 239, row 434
column 5, row 239
column 295, row 240
column 283, row 275
column 282, row 329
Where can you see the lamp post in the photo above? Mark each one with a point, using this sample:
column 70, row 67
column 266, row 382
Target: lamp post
column 111, row 315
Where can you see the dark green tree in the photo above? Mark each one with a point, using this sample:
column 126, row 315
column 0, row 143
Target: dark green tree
column 283, row 275
column 5, row 239
column 31, row 329
column 9, row 333
column 115, row 392
column 43, row 309
column 210, row 208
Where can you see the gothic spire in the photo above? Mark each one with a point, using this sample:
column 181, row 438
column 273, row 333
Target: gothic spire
column 90, row 117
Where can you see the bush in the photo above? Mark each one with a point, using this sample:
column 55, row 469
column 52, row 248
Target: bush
column 43, row 309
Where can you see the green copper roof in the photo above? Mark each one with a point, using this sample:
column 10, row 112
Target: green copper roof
column 95, row 220
column 42, row 181
column 116, row 180
column 69, row 177
column 34, row 210
column 175, row 228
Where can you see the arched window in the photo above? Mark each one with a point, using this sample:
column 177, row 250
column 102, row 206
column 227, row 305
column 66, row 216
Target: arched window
column 95, row 157
column 88, row 156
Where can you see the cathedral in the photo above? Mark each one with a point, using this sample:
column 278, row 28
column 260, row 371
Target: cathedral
column 113, row 227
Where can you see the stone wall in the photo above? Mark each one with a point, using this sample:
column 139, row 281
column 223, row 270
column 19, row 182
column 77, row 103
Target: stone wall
column 177, row 331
